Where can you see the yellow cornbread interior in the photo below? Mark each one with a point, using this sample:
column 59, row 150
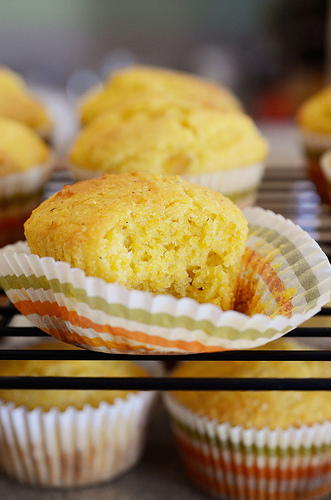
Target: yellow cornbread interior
column 168, row 139
column 20, row 148
column 315, row 114
column 146, row 232
column 138, row 83
column 62, row 399
column 17, row 102
column 250, row 409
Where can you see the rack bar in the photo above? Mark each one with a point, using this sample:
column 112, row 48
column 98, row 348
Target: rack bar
column 23, row 331
column 168, row 384
column 237, row 355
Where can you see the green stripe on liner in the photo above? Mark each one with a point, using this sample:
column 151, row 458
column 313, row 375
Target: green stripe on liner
column 250, row 449
column 295, row 259
column 139, row 315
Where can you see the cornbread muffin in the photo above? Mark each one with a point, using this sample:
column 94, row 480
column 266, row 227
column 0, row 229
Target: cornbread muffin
column 20, row 148
column 130, row 86
column 146, row 232
column 62, row 399
column 24, row 169
column 272, row 409
column 16, row 102
column 174, row 140
column 71, row 437
column 245, row 445
column 315, row 114
column 314, row 121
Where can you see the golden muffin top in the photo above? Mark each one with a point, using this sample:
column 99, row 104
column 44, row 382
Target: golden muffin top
column 174, row 139
column 315, row 114
column 20, row 148
column 138, row 83
column 249, row 409
column 62, row 399
column 18, row 103
column 146, row 232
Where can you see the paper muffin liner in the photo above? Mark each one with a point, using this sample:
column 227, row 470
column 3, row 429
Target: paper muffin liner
column 233, row 463
column 285, row 280
column 325, row 164
column 20, row 193
column 74, row 447
column 238, row 184
column 315, row 146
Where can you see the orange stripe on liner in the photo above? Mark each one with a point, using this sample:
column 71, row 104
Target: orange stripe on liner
column 204, row 459
column 271, row 279
column 52, row 309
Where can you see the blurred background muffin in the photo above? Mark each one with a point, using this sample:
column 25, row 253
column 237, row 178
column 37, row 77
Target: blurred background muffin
column 219, row 149
column 314, row 121
column 18, row 103
column 243, row 445
column 24, row 169
column 136, row 83
column 72, row 437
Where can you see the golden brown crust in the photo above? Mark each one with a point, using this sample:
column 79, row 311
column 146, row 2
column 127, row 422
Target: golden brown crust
column 315, row 114
column 138, row 83
column 20, row 148
column 160, row 234
column 168, row 139
column 62, row 399
column 271, row 409
column 17, row 103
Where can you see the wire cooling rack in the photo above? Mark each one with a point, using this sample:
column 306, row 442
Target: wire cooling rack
column 284, row 191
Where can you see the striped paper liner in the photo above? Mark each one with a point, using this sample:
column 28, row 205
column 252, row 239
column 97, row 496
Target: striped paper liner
column 315, row 146
column 325, row 165
column 234, row 463
column 239, row 184
column 285, row 280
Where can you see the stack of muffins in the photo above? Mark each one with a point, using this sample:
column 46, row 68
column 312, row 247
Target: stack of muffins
column 164, row 122
column 24, row 156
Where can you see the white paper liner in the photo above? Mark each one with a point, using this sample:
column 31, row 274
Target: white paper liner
column 230, row 181
column 234, row 463
column 27, row 182
column 74, row 447
column 240, row 183
column 89, row 312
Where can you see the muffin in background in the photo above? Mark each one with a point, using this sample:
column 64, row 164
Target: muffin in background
column 24, row 169
column 244, row 445
column 314, row 121
column 134, row 84
column 18, row 103
column 145, row 232
column 223, row 151
column 72, row 437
